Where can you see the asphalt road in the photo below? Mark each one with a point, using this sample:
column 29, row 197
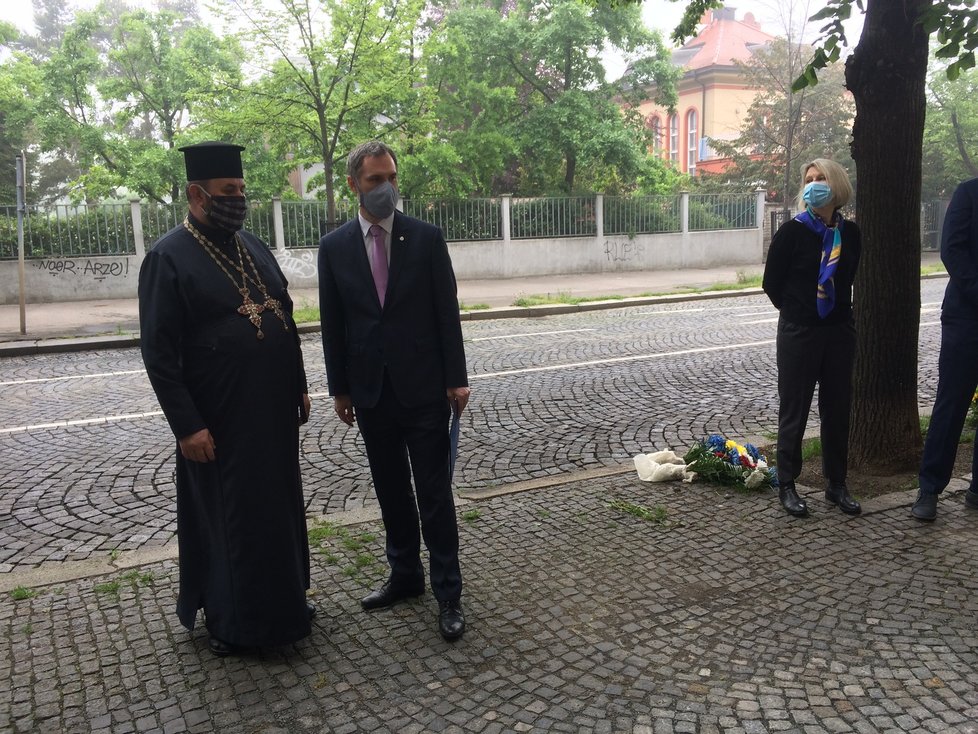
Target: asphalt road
column 87, row 463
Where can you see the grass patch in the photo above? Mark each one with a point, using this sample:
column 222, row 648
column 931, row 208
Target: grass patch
column 656, row 515
column 306, row 315
column 110, row 588
column 470, row 515
column 341, row 548
column 22, row 592
column 931, row 269
column 810, row 448
column 562, row 299
column 463, row 306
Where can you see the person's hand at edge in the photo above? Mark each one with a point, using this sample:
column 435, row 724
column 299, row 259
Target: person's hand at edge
column 458, row 397
column 198, row 446
column 343, row 406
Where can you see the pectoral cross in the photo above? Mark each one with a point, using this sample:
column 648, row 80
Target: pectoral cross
column 252, row 310
column 275, row 305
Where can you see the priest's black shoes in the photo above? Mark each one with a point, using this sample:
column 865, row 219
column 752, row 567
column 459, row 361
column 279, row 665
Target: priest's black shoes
column 310, row 607
column 390, row 594
column 221, row 648
column 790, row 501
column 839, row 495
column 451, row 621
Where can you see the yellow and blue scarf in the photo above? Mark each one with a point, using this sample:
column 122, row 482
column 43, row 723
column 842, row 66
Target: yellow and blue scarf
column 831, row 252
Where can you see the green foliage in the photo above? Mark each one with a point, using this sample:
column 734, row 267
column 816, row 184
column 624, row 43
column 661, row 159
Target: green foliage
column 22, row 593
column 528, row 81
column 950, row 131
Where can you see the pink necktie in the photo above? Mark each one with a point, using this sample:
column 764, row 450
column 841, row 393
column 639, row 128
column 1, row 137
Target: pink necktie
column 379, row 265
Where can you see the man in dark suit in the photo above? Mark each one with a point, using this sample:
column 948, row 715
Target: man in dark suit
column 396, row 365
column 958, row 363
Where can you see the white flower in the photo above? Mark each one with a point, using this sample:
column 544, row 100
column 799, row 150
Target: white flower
column 755, row 479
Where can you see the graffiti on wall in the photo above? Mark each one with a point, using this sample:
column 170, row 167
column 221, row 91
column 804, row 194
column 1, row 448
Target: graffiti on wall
column 618, row 251
column 90, row 268
column 298, row 266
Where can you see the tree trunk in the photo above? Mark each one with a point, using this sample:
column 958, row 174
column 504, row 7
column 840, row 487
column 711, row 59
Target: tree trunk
column 886, row 75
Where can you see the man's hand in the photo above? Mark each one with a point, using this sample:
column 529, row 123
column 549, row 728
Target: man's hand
column 458, row 398
column 306, row 407
column 198, row 446
column 343, row 406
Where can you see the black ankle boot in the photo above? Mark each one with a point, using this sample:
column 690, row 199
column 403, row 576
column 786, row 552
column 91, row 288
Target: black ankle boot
column 839, row 495
column 790, row 501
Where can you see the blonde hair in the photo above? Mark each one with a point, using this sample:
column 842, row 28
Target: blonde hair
column 835, row 176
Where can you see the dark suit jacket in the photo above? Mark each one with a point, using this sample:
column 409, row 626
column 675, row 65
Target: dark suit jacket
column 417, row 335
column 959, row 252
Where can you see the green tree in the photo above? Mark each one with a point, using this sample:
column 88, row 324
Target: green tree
column 19, row 82
column 782, row 127
column 119, row 89
column 950, row 132
column 333, row 73
column 528, row 76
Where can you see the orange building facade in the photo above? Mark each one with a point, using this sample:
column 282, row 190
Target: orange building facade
column 713, row 93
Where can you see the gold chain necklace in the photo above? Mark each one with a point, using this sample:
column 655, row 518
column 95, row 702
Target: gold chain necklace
column 248, row 308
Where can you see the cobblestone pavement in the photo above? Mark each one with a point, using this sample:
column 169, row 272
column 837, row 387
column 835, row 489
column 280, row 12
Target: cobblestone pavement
column 87, row 457
column 723, row 616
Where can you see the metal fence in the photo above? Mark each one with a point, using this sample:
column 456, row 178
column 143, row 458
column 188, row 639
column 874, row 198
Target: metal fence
column 106, row 229
column 465, row 220
column 65, row 230
column 722, row 211
column 567, row 216
column 641, row 215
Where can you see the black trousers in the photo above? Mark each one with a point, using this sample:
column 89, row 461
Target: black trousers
column 957, row 378
column 400, row 442
column 809, row 356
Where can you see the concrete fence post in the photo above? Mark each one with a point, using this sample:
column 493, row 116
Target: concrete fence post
column 599, row 216
column 759, row 209
column 139, row 239
column 278, row 224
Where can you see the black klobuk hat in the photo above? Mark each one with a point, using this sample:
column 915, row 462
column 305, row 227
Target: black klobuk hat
column 212, row 159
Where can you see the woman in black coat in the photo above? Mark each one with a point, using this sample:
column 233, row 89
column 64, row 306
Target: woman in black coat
column 809, row 273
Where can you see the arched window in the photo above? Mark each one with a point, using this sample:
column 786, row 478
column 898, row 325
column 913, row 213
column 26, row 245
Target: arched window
column 692, row 140
column 674, row 139
column 655, row 125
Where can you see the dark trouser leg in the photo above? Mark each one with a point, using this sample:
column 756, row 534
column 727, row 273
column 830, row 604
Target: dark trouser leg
column 389, row 467
column 798, row 358
column 956, row 382
column 428, row 446
column 835, row 400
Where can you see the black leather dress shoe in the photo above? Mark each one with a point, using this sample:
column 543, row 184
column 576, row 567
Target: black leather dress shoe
column 311, row 608
column 388, row 595
column 451, row 621
column 839, row 495
column 790, row 501
column 221, row 648
column 925, row 508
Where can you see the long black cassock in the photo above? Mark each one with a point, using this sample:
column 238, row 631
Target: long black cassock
column 241, row 529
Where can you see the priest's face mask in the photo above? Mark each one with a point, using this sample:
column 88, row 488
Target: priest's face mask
column 228, row 209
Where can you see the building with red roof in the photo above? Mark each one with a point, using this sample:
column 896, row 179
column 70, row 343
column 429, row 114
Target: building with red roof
column 713, row 93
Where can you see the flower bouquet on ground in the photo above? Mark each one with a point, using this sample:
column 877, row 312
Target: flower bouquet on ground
column 721, row 461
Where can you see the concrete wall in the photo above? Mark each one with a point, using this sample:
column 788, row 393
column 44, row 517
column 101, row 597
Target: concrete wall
column 98, row 278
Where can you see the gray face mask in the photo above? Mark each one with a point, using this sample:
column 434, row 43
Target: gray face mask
column 380, row 201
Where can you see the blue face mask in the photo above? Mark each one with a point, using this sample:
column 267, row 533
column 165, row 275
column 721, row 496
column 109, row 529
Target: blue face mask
column 817, row 194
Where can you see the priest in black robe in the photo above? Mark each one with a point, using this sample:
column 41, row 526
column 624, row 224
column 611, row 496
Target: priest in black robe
column 222, row 352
